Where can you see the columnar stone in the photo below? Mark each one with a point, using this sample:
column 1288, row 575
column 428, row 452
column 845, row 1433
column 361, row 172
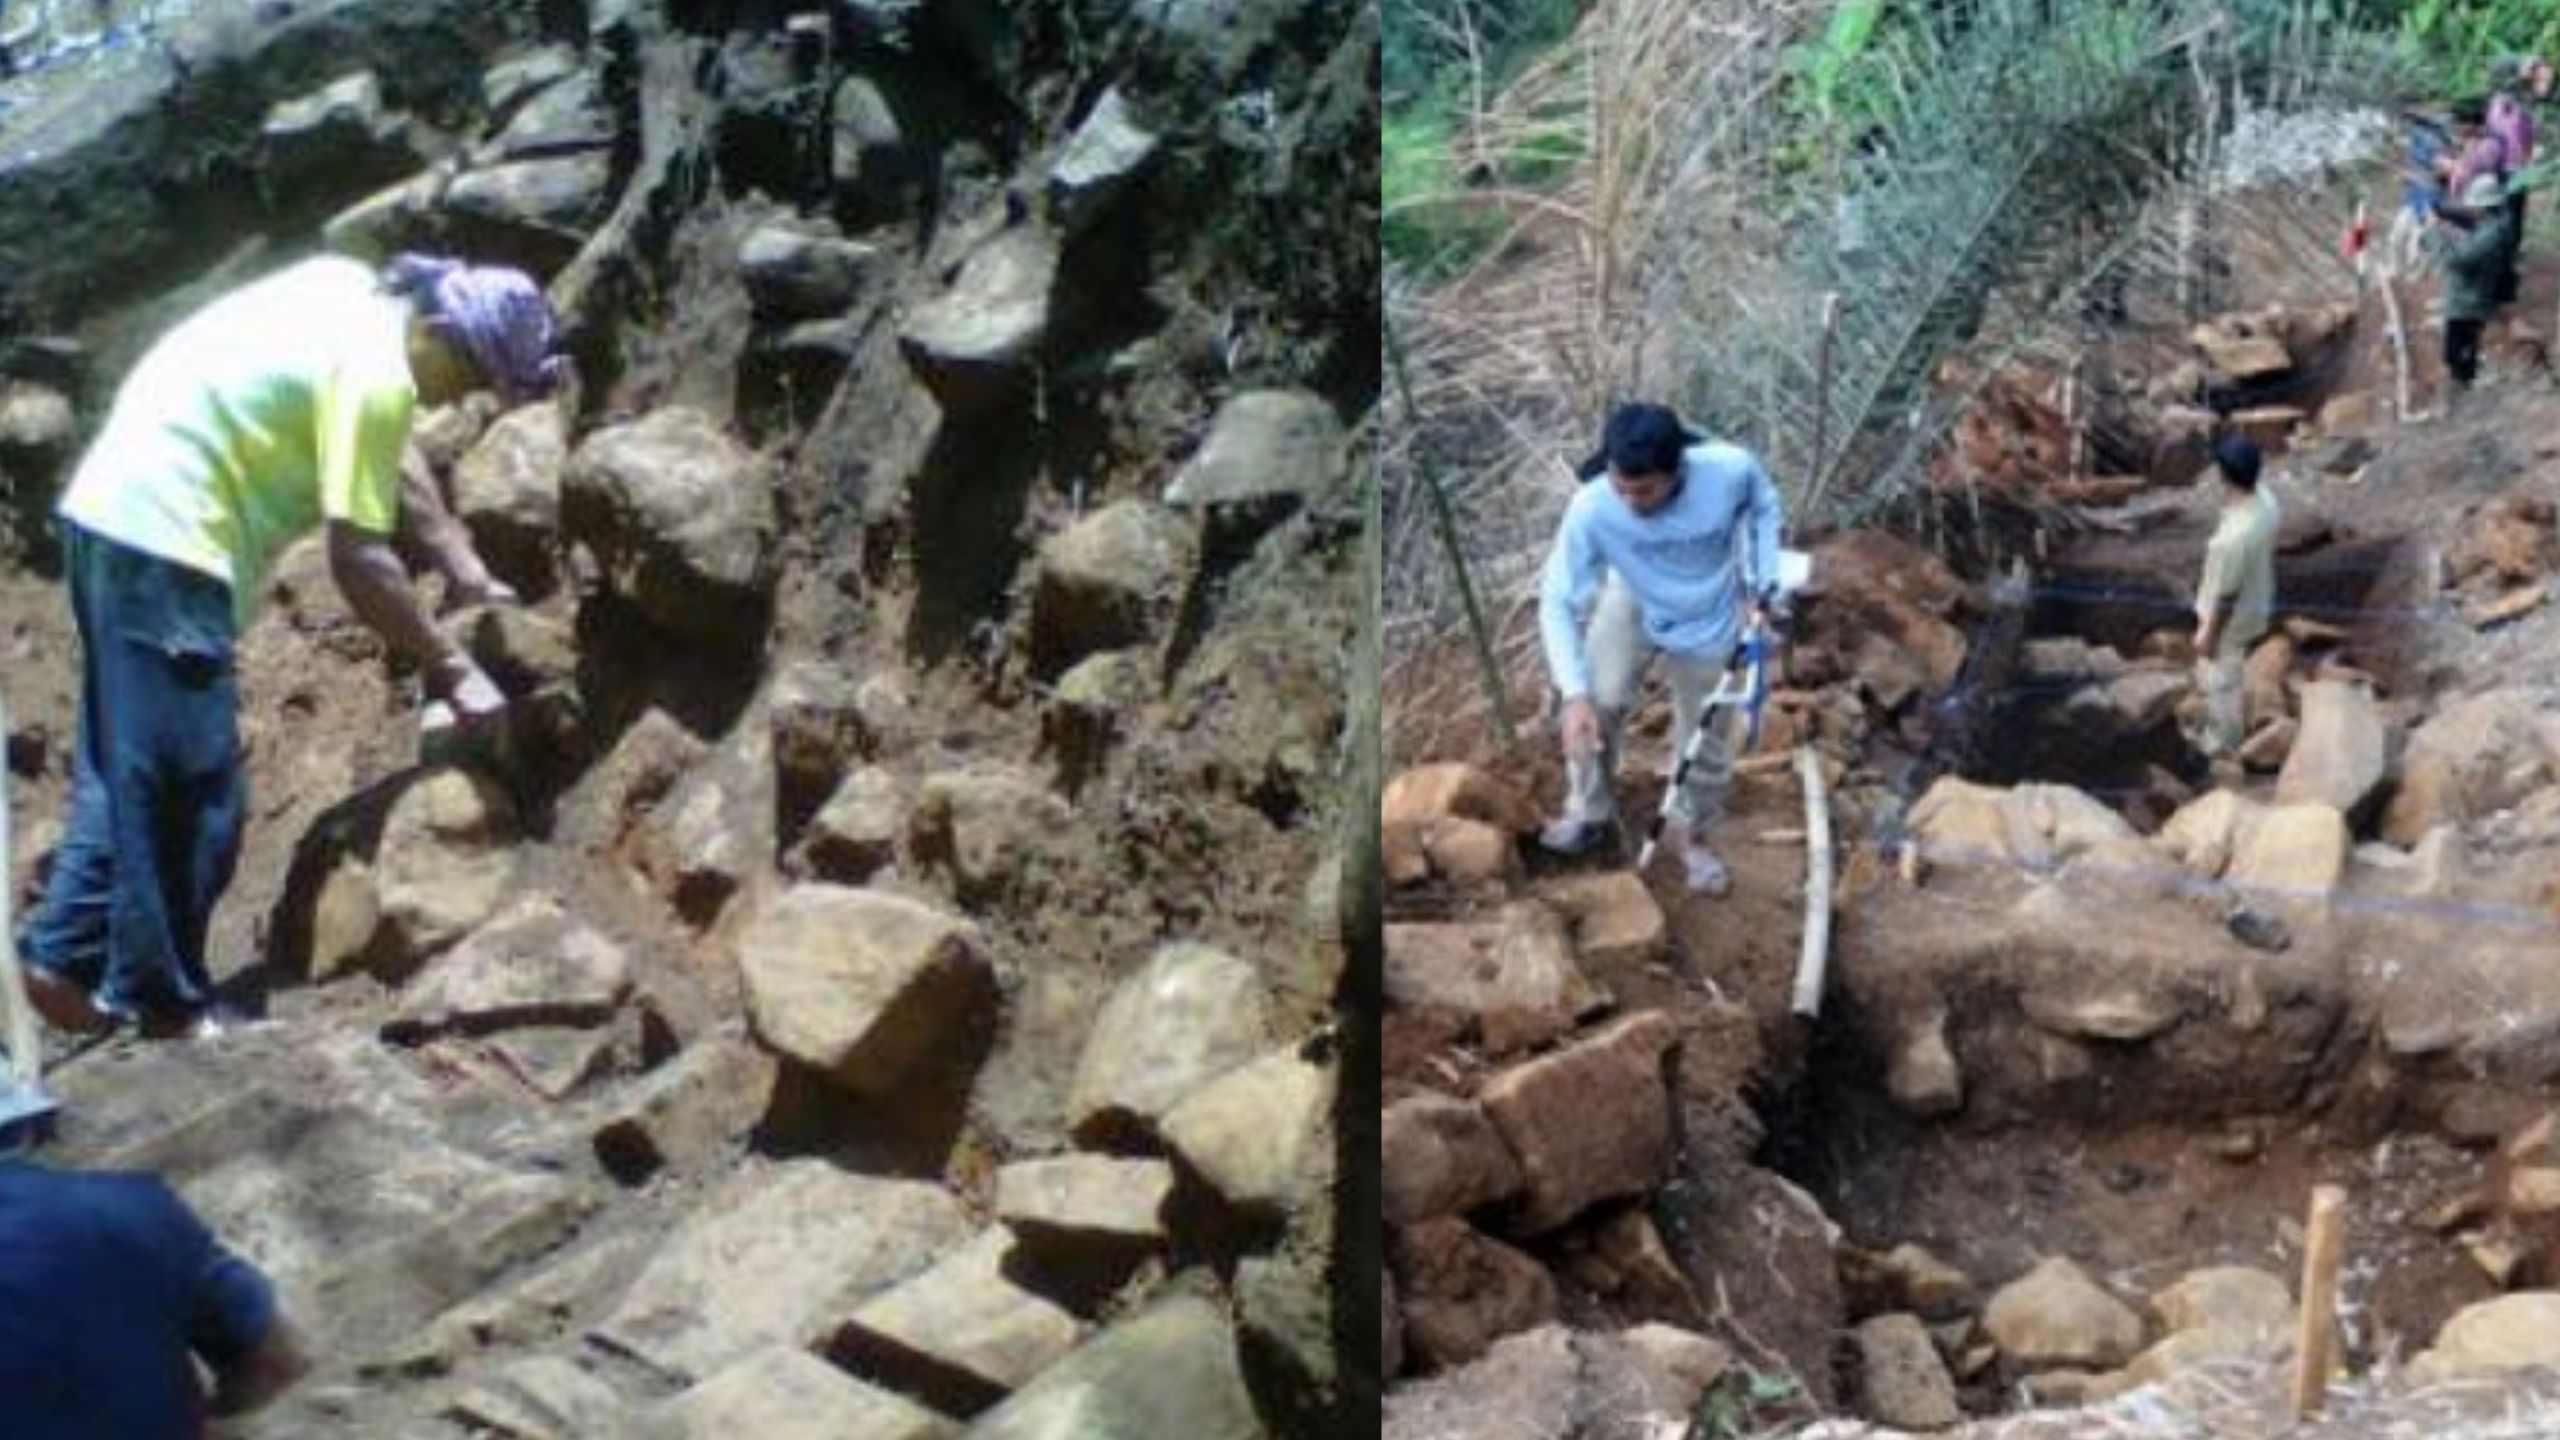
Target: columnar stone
column 863, row 985
column 1189, row 1015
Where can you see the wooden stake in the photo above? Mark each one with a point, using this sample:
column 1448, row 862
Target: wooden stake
column 1816, row 957
column 2324, row 1240
column 24, row 1039
column 2399, row 345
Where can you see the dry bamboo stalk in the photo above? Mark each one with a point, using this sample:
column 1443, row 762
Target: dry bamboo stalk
column 2324, row 1242
column 24, row 1039
column 1816, row 955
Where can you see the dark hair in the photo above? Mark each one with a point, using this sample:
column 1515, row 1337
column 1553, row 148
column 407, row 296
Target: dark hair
column 2237, row 457
column 1640, row 440
column 2471, row 110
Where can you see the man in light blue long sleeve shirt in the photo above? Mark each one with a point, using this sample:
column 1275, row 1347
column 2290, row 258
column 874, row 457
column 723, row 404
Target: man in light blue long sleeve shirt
column 1669, row 559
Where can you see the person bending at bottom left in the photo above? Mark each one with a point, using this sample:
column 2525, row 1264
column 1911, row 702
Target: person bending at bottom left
column 110, row 1291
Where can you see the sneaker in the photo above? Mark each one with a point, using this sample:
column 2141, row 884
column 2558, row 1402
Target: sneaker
column 210, row 1022
column 66, row 1004
column 1704, row 873
column 1572, row 837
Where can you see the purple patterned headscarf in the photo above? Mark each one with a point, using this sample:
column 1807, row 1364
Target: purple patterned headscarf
column 495, row 315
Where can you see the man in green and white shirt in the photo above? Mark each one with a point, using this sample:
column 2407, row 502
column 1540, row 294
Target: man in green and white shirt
column 279, row 408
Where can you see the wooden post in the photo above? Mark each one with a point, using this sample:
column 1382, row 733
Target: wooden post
column 1821, row 456
column 2324, row 1240
column 1816, row 955
column 1445, row 519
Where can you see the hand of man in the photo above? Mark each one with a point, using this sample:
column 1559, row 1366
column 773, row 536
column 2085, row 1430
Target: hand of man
column 468, row 689
column 491, row 591
column 1581, row 726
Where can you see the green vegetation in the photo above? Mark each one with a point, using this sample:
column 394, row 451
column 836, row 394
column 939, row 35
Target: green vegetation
column 1427, row 227
column 2456, row 43
column 1441, row 58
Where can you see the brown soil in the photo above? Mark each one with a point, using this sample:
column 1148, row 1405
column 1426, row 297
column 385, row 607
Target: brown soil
column 2137, row 1193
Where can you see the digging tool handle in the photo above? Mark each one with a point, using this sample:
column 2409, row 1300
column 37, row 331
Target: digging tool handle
column 2324, row 1241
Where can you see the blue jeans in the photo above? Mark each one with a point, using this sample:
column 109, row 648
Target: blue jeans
column 157, row 793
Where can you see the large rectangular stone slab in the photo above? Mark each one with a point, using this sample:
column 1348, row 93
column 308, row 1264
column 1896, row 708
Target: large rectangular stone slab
column 1169, row 1371
column 322, row 1163
column 779, row 1257
column 779, row 1393
column 962, row 1335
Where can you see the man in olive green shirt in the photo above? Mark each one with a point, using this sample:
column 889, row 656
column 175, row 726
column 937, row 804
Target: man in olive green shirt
column 2236, row 595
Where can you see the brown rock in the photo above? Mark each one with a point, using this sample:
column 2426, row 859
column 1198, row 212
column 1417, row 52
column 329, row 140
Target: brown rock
column 2227, row 1297
column 2263, row 693
column 2293, row 852
column 1469, row 852
column 962, row 1335
column 1439, row 1156
column 1903, row 1381
column 2495, row 1337
column 2266, row 750
column 2533, row 1190
column 688, row 1110
column 2243, row 358
column 2337, row 759
column 1517, row 978
column 1190, row 1014
column 1461, row 1290
column 2350, row 414
column 855, row 834
column 1613, row 918
column 863, row 985
column 1251, row 1133
column 1430, row 792
column 1091, row 1201
column 1926, row 1285
column 782, row 1393
column 446, row 860
column 1624, row 1257
column 1402, row 856
column 2509, row 541
column 2513, row 605
column 2479, row 754
column 1590, row 1122
column 2271, row 426
column 2056, row 1315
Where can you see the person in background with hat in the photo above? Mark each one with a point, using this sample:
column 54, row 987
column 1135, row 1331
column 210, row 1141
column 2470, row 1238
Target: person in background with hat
column 2477, row 236
column 279, row 408
column 1669, row 558
column 2235, row 596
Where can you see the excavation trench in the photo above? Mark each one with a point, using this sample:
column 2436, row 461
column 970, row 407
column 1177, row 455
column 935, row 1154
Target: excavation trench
column 2075, row 1055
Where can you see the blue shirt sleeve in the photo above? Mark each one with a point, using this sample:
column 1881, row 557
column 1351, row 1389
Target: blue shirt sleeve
column 235, row 1308
column 230, row 1306
column 1768, row 518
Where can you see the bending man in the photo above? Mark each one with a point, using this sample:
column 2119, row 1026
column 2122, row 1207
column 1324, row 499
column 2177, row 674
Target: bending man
column 110, row 1290
column 1686, row 532
column 277, row 409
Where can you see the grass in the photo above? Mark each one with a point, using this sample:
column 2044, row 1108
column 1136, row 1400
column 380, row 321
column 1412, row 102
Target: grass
column 1428, row 230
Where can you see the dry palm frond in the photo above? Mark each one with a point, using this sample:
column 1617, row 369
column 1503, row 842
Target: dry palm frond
column 2028, row 161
